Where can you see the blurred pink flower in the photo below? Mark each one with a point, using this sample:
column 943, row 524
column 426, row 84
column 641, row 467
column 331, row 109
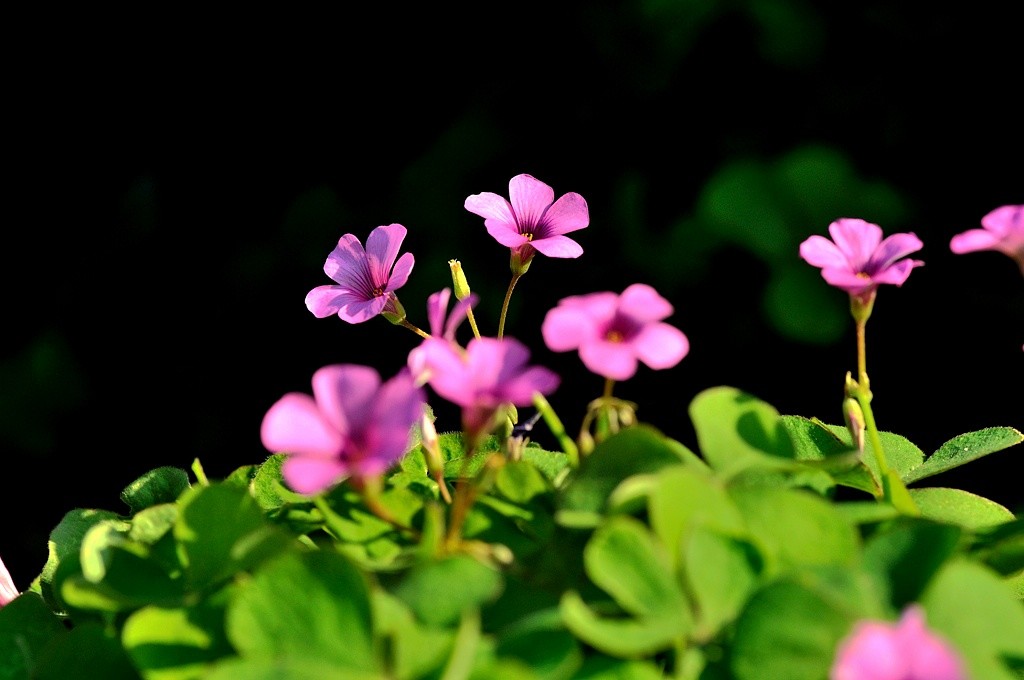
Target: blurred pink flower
column 352, row 425
column 612, row 332
column 367, row 280
column 485, row 375
column 1003, row 230
column 906, row 650
column 442, row 328
column 857, row 260
column 8, row 591
column 532, row 219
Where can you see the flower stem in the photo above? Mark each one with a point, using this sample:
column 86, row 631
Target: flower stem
column 472, row 322
column 557, row 429
column 418, row 331
column 504, row 305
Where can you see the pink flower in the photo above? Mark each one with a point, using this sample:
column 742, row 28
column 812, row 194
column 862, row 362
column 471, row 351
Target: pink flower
column 367, row 280
column 532, row 219
column 441, row 330
column 1003, row 230
column 352, row 425
column 857, row 260
column 8, row 591
column 612, row 332
column 907, row 650
column 487, row 374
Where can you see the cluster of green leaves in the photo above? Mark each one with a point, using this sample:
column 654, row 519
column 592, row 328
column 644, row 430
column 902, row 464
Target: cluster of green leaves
column 751, row 559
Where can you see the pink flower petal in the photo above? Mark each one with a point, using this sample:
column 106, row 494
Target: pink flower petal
column 569, row 213
column 520, row 388
column 1005, row 221
column 400, row 274
column 643, row 303
column 347, row 256
column 493, row 208
column 893, row 248
column 556, row 246
column 565, row 328
column 661, row 346
column 294, row 425
column 356, row 309
column 312, row 475
column 324, row 301
column 614, row 360
column 897, row 273
column 506, row 234
column 344, row 393
column 973, row 240
column 529, row 198
column 820, row 252
column 856, row 239
column 437, row 308
column 8, row 591
column 382, row 246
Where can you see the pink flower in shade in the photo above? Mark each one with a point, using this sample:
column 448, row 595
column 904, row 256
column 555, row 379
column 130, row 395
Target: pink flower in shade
column 532, row 219
column 441, row 329
column 906, row 650
column 488, row 373
column 352, row 425
column 612, row 332
column 7, row 589
column 857, row 260
column 367, row 280
column 1003, row 230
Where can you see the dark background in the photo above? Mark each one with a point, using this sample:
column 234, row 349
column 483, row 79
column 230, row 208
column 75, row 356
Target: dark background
column 176, row 181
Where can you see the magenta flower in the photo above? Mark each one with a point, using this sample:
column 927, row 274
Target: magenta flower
column 8, row 591
column 367, row 280
column 442, row 329
column 906, row 650
column 857, row 260
column 532, row 219
column 1003, row 230
column 352, row 425
column 612, row 332
column 487, row 374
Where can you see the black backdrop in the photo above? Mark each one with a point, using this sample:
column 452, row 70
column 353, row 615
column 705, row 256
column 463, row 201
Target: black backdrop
column 175, row 182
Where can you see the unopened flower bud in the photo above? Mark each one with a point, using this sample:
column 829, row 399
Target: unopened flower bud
column 432, row 453
column 459, row 282
column 854, row 417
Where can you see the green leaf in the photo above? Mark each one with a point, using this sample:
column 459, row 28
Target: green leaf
column 736, row 431
column 542, row 642
column 901, row 454
column 625, row 560
column 636, row 450
column 64, row 545
column 311, row 606
column 599, row 667
column 956, row 506
column 221, row 531
column 623, row 637
column 817, row 443
column 283, row 668
column 964, row 448
column 27, row 626
column 439, row 592
column 86, row 646
column 1000, row 546
column 162, row 485
column 416, row 650
column 905, row 555
column 684, row 499
column 788, row 631
column 268, row 486
column 176, row 644
column 979, row 614
column 519, row 481
column 793, row 527
column 550, row 463
column 722, row 572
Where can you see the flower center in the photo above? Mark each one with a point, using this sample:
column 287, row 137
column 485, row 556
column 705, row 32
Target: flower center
column 613, row 336
column 377, row 292
column 862, row 275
